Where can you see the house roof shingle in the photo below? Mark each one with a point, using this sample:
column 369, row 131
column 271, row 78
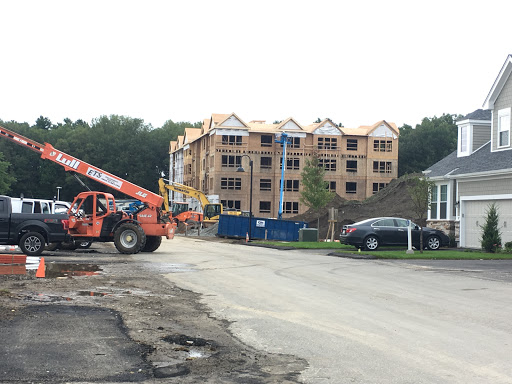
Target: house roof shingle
column 482, row 160
column 479, row 114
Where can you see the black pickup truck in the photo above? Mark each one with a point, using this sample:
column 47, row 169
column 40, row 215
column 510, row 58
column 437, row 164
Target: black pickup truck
column 30, row 231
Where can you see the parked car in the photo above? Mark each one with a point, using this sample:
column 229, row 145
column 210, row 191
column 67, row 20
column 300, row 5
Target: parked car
column 372, row 233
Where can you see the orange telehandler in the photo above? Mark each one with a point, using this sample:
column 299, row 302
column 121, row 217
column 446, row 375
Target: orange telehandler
column 93, row 215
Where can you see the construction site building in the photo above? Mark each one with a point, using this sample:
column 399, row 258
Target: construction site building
column 358, row 161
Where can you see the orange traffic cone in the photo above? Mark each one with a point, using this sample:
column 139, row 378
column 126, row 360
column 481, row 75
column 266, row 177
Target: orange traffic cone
column 246, row 237
column 41, row 269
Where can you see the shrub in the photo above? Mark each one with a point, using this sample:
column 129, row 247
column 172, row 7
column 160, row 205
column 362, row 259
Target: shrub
column 491, row 236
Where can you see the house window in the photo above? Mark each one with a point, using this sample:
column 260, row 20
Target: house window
column 293, row 142
column 266, row 140
column 378, row 186
column 291, row 185
column 382, row 166
column 291, row 207
column 231, row 204
column 231, row 140
column 327, row 164
column 350, row 187
column 464, row 139
column 327, row 143
column 382, row 145
column 265, row 206
column 265, row 162
column 231, row 183
column 331, row 186
column 351, row 165
column 504, row 127
column 291, row 163
column 433, row 204
column 351, row 145
column 443, row 201
column 231, row 161
column 265, row 184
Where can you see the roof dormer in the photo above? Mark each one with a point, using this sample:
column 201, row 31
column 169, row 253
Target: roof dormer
column 474, row 131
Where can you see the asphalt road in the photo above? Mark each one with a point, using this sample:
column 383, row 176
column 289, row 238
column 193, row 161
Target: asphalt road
column 356, row 321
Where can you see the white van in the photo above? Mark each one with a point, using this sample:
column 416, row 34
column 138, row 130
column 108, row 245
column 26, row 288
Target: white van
column 27, row 205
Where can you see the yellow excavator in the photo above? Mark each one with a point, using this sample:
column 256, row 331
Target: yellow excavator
column 211, row 211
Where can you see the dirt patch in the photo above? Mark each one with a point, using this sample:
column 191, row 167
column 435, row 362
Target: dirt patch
column 178, row 335
column 394, row 200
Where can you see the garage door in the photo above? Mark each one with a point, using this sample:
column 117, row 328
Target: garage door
column 475, row 215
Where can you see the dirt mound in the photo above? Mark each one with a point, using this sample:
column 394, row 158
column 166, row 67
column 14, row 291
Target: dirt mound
column 394, row 200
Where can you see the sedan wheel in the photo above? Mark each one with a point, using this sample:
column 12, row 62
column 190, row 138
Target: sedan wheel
column 371, row 243
column 433, row 243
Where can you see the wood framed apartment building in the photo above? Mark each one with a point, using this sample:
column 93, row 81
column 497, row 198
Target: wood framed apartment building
column 358, row 161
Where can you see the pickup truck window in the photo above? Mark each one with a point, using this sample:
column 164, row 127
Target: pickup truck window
column 3, row 206
column 27, row 207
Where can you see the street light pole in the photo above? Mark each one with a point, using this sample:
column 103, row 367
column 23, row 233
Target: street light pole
column 241, row 169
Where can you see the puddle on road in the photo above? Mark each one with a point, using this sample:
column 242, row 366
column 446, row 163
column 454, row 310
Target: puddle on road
column 52, row 270
column 55, row 270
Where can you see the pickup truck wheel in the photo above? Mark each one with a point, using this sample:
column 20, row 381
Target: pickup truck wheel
column 152, row 243
column 129, row 238
column 32, row 244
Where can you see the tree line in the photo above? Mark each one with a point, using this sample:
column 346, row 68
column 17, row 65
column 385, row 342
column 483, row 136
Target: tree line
column 135, row 151
column 123, row 146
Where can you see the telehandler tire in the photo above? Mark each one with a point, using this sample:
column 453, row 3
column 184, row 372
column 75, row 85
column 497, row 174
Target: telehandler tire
column 152, row 243
column 129, row 238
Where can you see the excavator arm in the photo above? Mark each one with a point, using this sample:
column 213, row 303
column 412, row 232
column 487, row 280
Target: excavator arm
column 72, row 164
column 180, row 188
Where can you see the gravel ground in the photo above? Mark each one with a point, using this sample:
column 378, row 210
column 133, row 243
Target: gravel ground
column 180, row 340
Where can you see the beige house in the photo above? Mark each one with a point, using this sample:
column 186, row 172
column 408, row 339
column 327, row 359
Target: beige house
column 358, row 161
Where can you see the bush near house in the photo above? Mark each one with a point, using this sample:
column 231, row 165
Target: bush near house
column 491, row 236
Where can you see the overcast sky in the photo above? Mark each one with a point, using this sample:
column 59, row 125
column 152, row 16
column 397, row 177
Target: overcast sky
column 356, row 62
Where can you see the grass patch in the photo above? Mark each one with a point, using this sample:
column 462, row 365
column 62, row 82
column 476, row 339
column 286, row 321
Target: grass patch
column 443, row 254
column 393, row 253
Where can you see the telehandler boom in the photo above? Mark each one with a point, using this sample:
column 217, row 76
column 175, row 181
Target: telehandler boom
column 93, row 215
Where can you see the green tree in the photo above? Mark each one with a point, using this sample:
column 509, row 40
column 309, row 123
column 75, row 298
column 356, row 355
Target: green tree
column 315, row 193
column 5, row 178
column 43, row 123
column 491, row 236
column 429, row 142
column 123, row 146
column 420, row 189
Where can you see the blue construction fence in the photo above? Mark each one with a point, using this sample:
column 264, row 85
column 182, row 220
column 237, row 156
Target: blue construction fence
column 261, row 228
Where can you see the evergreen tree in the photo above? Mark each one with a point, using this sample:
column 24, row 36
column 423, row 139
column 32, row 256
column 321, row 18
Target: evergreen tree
column 491, row 236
